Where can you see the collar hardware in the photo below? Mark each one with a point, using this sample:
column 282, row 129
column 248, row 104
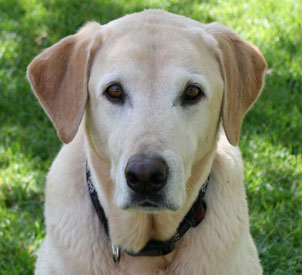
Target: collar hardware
column 154, row 247
column 116, row 254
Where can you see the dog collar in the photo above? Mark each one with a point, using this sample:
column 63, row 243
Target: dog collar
column 154, row 247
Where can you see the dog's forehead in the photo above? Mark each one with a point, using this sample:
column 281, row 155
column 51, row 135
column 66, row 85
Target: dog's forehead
column 154, row 29
column 154, row 46
column 151, row 49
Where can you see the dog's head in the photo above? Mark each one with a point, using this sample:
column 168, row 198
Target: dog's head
column 155, row 87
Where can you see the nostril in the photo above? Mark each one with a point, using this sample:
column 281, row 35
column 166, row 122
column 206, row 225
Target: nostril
column 155, row 178
column 158, row 177
column 131, row 177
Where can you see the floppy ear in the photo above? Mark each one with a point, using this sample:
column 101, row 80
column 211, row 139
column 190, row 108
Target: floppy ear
column 59, row 77
column 242, row 66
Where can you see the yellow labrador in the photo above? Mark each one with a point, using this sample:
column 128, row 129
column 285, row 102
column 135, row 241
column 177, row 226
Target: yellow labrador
column 150, row 180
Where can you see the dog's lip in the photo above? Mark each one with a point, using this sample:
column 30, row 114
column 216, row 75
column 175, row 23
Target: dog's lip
column 148, row 205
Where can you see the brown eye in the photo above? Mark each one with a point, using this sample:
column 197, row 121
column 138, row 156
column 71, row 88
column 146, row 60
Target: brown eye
column 115, row 93
column 192, row 94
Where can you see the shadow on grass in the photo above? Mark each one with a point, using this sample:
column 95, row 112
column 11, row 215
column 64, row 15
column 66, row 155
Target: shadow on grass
column 277, row 115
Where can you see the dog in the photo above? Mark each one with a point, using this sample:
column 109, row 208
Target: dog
column 149, row 179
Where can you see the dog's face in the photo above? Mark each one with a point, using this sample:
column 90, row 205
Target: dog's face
column 155, row 100
column 154, row 86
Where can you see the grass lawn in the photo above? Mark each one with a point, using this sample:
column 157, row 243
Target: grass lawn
column 271, row 139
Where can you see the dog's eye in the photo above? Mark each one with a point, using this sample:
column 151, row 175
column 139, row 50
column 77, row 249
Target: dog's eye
column 115, row 93
column 192, row 94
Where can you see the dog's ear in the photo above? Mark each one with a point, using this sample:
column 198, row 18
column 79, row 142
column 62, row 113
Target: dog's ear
column 242, row 66
column 59, row 77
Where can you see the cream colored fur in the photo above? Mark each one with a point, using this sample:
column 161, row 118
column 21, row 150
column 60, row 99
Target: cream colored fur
column 153, row 54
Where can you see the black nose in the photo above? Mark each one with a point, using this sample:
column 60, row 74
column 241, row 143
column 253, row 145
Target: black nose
column 146, row 174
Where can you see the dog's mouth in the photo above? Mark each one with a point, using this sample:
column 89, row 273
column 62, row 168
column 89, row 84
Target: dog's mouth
column 148, row 204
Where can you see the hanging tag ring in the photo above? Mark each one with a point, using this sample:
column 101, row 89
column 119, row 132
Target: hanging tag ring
column 116, row 254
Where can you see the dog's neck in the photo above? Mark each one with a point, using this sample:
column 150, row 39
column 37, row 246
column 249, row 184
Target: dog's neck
column 154, row 247
column 129, row 230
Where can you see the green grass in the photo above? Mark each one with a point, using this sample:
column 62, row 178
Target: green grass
column 271, row 139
